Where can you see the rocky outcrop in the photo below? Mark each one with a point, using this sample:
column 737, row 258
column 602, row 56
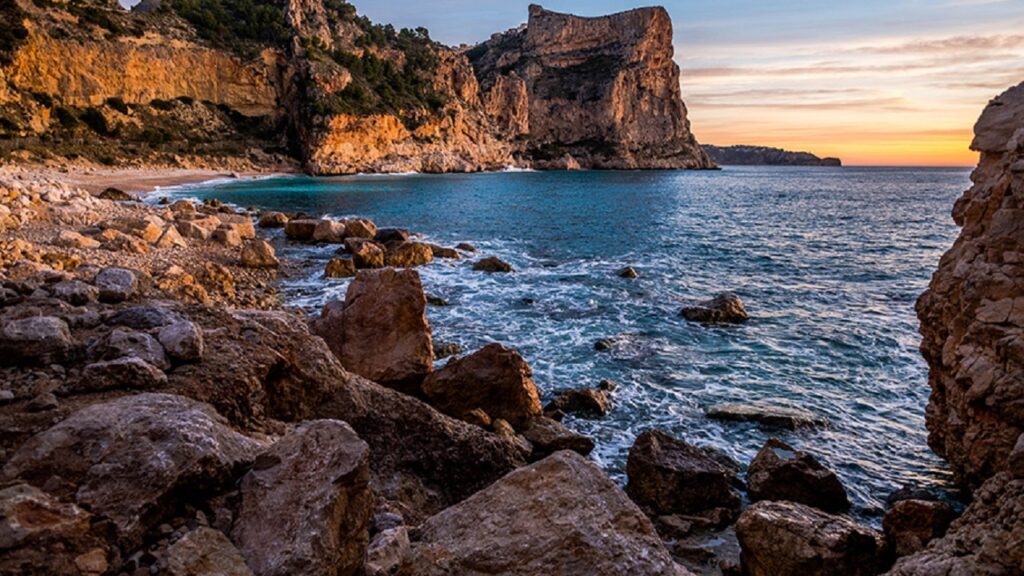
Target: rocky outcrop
column 781, row 472
column 598, row 92
column 561, row 516
column 765, row 156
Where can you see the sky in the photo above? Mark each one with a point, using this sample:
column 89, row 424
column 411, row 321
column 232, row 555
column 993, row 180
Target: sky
column 874, row 82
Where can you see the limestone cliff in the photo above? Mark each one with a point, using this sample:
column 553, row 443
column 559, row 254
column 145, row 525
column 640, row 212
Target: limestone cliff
column 314, row 80
column 598, row 92
column 972, row 320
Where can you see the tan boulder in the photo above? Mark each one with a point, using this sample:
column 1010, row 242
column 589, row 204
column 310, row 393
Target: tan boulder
column 241, row 223
column 340, row 268
column 205, row 552
column 380, row 331
column 148, row 228
column 365, row 253
column 360, row 228
column 301, row 229
column 72, row 239
column 408, row 255
column 306, row 504
column 329, row 232
column 259, row 254
column 494, row 379
column 559, row 517
column 273, row 220
column 227, row 236
column 170, row 238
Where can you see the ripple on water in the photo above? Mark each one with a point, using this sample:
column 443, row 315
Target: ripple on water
column 829, row 262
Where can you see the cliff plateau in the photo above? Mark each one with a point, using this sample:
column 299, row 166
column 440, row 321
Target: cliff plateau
column 311, row 80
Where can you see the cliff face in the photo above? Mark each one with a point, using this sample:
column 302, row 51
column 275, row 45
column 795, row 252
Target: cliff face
column 765, row 156
column 972, row 320
column 601, row 92
column 313, row 79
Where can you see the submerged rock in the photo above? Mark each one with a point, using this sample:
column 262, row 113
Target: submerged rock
column 791, row 539
column 780, row 472
column 725, row 308
column 560, row 517
column 766, row 415
column 584, row 401
column 670, row 476
column 494, row 379
column 492, row 264
column 629, row 273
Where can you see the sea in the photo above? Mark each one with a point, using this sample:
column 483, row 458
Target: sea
column 829, row 262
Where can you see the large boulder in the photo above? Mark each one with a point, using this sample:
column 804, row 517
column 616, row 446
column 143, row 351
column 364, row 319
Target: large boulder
column 492, row 264
column 258, row 254
column 116, row 284
column 781, row 472
column 561, row 516
column 380, row 331
column 669, row 476
column 408, row 255
column 329, row 232
column 791, row 539
column 273, row 220
column 340, row 268
column 120, row 343
column 494, row 379
column 911, row 524
column 360, row 228
column 38, row 340
column 122, row 373
column 306, row 503
column 590, row 402
column 547, row 436
column 301, row 229
column 725, row 308
column 365, row 253
column 133, row 459
column 183, row 341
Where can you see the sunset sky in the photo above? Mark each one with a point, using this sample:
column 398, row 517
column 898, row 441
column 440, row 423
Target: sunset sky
column 877, row 82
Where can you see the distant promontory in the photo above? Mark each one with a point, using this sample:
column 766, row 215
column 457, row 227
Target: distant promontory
column 765, row 156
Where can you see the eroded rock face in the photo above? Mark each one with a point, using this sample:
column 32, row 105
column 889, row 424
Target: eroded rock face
column 380, row 332
column 560, row 516
column 131, row 459
column 972, row 316
column 602, row 91
column 790, row 539
column 306, row 503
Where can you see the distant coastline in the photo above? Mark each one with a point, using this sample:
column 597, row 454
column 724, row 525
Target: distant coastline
column 765, row 156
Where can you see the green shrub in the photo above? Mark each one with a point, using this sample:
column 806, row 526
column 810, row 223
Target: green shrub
column 234, row 23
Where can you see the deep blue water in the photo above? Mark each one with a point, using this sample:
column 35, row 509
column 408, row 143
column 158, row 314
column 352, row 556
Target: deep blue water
column 828, row 261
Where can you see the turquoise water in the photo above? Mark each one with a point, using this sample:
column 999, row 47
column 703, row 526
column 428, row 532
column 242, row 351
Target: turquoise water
column 828, row 261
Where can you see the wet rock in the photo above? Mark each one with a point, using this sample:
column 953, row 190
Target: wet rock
column 132, row 458
column 131, row 373
column 130, row 344
column 391, row 235
column 780, row 472
column 445, row 349
column 604, row 345
column 548, row 436
column 116, row 284
column 437, row 301
column 584, row 401
column 273, row 220
column 365, row 253
column 561, row 516
column 492, row 264
column 494, row 379
column 306, row 504
column 329, row 232
column 911, row 524
column 301, row 229
column 259, row 254
column 205, row 552
column 465, row 247
column 766, row 415
column 38, row 340
column 144, row 317
column 408, row 255
column 380, row 331
column 75, row 292
column 183, row 341
column 446, row 253
column 787, row 538
column 340, row 268
column 670, row 476
column 360, row 228
column 725, row 308
column 628, row 272
column 387, row 551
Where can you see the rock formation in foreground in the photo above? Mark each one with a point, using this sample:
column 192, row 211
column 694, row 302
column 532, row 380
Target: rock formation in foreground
column 765, row 156
column 267, row 83
column 972, row 321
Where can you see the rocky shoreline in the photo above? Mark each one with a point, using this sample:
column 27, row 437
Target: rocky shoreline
column 163, row 412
